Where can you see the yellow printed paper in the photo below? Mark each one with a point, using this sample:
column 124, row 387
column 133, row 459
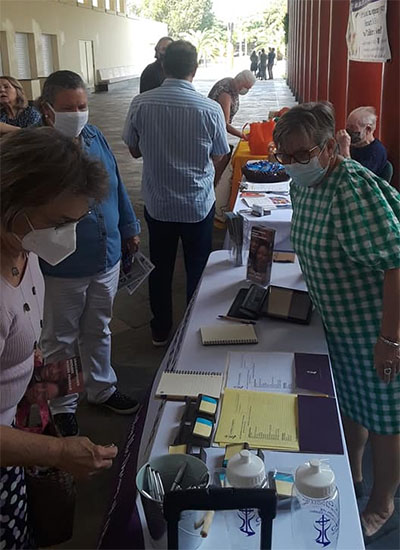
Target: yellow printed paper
column 263, row 420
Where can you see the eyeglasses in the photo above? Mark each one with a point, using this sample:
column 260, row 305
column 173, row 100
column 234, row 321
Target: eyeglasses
column 302, row 157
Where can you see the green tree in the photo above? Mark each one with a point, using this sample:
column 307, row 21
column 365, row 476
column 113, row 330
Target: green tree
column 181, row 16
column 208, row 44
column 268, row 28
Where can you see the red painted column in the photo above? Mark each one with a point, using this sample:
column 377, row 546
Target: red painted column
column 390, row 118
column 314, row 50
column 307, row 51
column 302, row 33
column 365, row 86
column 295, row 65
column 324, row 50
column 338, row 71
column 305, row 31
column 299, row 50
column 290, row 64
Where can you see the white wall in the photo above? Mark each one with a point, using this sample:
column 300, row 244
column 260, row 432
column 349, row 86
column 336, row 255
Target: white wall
column 117, row 39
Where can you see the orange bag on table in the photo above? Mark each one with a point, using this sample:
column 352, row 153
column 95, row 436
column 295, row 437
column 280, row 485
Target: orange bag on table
column 260, row 136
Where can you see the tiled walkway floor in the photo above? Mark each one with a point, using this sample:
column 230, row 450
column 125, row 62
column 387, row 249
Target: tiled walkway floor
column 134, row 357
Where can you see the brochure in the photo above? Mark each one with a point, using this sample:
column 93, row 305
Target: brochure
column 56, row 379
column 140, row 269
column 260, row 254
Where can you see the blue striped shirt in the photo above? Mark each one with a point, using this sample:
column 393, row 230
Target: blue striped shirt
column 177, row 131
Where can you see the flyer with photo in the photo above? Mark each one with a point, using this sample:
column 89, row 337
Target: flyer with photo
column 260, row 254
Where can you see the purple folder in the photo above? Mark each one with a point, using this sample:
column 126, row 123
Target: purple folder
column 319, row 430
column 313, row 373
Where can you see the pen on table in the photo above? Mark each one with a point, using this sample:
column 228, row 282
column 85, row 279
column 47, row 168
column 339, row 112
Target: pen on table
column 178, row 477
column 236, row 319
column 205, row 523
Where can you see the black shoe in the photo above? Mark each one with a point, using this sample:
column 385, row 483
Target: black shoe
column 66, row 424
column 121, row 404
column 160, row 338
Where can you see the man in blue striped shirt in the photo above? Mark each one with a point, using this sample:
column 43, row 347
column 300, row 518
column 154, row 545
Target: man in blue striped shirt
column 180, row 135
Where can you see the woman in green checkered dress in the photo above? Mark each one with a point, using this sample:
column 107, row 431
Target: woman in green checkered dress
column 346, row 232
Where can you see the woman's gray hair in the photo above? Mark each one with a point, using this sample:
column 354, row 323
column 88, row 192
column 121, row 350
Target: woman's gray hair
column 314, row 120
column 246, row 77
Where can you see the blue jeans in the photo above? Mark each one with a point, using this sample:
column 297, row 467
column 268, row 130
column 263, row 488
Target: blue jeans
column 164, row 237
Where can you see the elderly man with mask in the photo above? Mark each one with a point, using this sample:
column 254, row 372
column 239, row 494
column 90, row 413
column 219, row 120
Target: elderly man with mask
column 359, row 143
column 153, row 75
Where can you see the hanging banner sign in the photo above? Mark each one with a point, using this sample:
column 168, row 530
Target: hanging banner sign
column 366, row 36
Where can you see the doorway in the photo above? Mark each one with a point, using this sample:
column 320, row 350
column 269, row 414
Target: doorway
column 87, row 62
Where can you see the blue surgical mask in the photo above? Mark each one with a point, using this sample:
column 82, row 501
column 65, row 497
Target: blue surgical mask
column 307, row 175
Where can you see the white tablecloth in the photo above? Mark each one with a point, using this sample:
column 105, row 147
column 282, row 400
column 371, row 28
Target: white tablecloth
column 219, row 286
column 280, row 219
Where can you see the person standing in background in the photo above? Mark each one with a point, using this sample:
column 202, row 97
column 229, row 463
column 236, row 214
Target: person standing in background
column 271, row 61
column 253, row 62
column 263, row 65
column 226, row 92
column 180, row 134
column 153, row 75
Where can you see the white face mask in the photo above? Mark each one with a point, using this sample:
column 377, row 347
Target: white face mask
column 70, row 124
column 243, row 91
column 51, row 244
column 307, row 175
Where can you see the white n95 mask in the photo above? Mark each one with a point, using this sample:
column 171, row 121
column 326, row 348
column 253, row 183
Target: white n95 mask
column 52, row 244
column 70, row 124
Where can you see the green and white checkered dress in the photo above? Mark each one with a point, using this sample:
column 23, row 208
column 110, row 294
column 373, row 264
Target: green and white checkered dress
column 346, row 233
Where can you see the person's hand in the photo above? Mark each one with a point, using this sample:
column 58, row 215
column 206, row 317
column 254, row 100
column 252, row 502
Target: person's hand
column 245, row 137
column 131, row 245
column 386, row 361
column 343, row 140
column 81, row 457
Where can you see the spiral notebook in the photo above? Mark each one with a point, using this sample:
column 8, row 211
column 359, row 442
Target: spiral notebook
column 229, row 334
column 180, row 384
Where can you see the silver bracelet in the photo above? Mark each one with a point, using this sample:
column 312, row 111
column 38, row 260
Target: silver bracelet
column 389, row 342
